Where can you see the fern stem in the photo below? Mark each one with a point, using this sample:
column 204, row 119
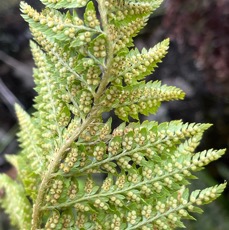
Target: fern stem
column 109, row 58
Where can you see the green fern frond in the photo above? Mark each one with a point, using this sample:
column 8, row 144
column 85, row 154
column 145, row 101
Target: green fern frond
column 56, row 25
column 80, row 170
column 134, row 66
column 15, row 203
column 28, row 134
column 140, row 98
column 58, row 4
column 127, row 19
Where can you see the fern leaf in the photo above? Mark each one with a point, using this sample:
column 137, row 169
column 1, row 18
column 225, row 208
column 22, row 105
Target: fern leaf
column 16, row 203
column 55, row 25
column 78, row 169
column 55, row 109
column 127, row 19
column 27, row 173
column 134, row 66
column 144, row 98
column 28, row 138
column 64, row 3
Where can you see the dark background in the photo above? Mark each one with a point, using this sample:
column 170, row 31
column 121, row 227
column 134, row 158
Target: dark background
column 197, row 62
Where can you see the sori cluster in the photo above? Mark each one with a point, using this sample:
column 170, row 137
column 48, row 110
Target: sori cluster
column 77, row 170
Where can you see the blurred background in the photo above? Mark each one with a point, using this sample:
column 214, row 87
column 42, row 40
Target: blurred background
column 197, row 62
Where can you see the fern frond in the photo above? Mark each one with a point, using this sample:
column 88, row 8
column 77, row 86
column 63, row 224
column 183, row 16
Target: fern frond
column 55, row 25
column 85, row 68
column 15, row 203
column 53, row 114
column 136, row 190
column 27, row 173
column 127, row 19
column 134, row 66
column 58, row 4
column 141, row 98
column 28, row 138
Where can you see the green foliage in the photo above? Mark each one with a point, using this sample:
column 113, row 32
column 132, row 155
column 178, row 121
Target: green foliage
column 16, row 203
column 85, row 67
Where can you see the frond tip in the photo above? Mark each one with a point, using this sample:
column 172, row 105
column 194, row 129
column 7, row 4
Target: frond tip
column 207, row 195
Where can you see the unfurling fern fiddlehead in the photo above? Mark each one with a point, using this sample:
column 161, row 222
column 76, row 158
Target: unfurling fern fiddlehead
column 86, row 66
